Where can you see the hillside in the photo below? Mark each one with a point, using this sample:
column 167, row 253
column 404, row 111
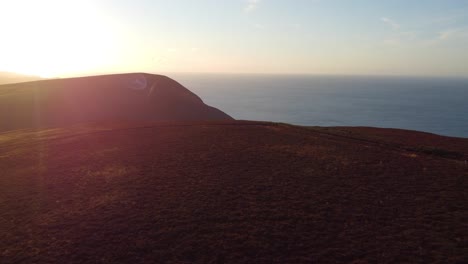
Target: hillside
column 8, row 78
column 232, row 192
column 119, row 97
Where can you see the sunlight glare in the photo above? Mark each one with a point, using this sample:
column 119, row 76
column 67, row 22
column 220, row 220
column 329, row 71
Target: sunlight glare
column 51, row 37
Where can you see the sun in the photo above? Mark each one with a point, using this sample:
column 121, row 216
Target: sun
column 49, row 38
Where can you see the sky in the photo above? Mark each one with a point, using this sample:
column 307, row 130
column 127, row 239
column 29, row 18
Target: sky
column 60, row 38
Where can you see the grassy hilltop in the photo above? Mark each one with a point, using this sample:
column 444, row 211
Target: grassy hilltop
column 129, row 97
column 137, row 169
column 232, row 192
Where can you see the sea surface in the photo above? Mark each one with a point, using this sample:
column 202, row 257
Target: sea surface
column 436, row 105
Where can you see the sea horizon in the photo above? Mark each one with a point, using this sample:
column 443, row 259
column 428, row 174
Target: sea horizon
column 427, row 104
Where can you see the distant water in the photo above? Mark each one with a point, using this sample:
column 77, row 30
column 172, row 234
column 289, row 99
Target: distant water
column 436, row 105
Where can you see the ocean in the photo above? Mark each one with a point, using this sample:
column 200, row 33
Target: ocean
column 435, row 105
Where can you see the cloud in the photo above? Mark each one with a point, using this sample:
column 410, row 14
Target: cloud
column 454, row 33
column 251, row 5
column 394, row 25
column 447, row 34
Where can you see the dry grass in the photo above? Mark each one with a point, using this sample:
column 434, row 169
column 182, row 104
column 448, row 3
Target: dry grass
column 235, row 192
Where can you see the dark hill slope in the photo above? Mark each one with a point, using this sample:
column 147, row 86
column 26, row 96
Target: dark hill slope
column 123, row 97
column 231, row 192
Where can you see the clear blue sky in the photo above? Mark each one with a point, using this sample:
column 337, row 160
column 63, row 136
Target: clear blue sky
column 366, row 37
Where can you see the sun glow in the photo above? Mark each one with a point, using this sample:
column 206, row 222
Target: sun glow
column 50, row 38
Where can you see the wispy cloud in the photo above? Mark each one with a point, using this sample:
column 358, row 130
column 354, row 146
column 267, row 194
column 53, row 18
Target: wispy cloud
column 390, row 22
column 397, row 37
column 251, row 5
column 447, row 34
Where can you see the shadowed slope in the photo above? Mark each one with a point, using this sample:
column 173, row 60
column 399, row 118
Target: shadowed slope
column 231, row 192
column 123, row 97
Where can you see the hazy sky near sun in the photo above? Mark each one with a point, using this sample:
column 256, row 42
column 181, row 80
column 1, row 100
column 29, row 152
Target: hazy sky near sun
column 63, row 38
